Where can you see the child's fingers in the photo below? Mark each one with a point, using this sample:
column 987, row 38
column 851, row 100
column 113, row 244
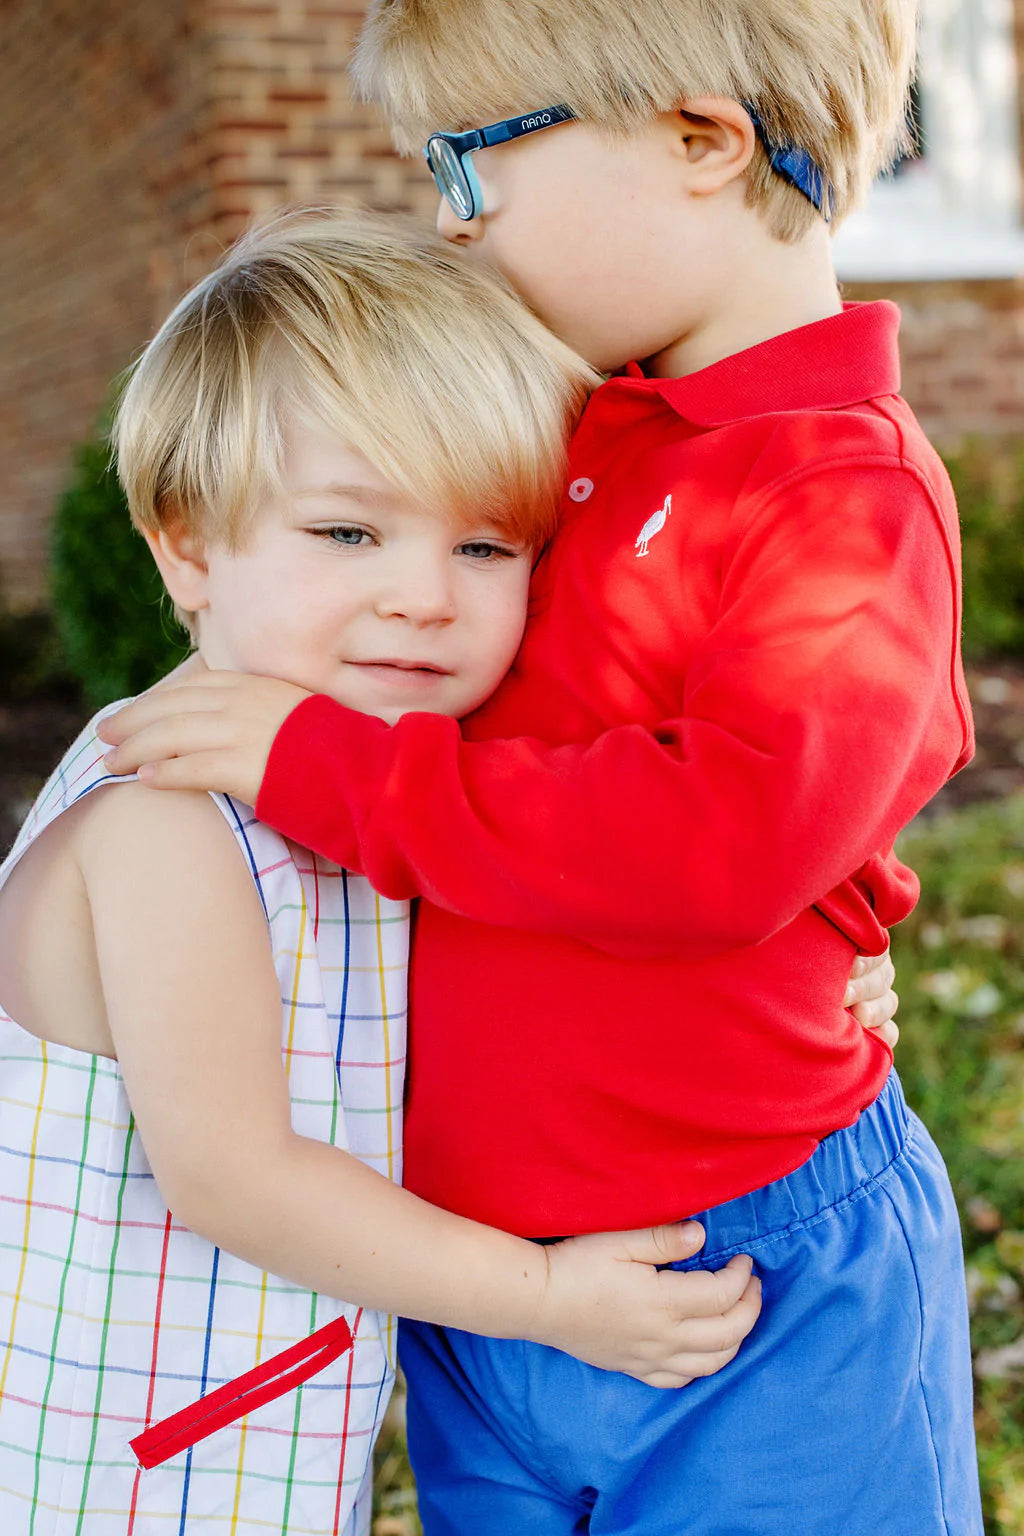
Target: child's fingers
column 713, row 1293
column 701, row 1337
column 214, row 770
column 677, row 1373
column 710, row 1343
column 668, row 1244
column 879, row 1019
column 872, row 978
column 877, row 1012
column 161, row 703
column 175, row 735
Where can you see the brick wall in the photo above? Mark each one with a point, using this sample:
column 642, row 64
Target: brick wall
column 283, row 127
column 97, row 104
column 963, row 354
column 139, row 137
column 963, row 343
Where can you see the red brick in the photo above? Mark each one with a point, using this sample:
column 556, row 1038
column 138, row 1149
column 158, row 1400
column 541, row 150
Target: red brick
column 299, row 98
column 252, row 125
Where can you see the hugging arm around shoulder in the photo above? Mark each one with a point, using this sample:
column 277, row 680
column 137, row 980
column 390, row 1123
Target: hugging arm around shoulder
column 195, row 1012
column 821, row 711
column 194, row 1007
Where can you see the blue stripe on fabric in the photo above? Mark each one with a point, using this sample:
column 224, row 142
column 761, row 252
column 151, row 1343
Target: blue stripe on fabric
column 185, row 1376
column 72, row 1162
column 203, row 1383
column 248, row 850
column 343, row 1011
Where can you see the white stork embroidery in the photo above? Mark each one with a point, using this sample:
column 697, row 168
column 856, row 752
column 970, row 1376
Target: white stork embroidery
column 652, row 526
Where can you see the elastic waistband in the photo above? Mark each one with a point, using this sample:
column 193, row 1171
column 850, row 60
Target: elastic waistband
column 848, row 1161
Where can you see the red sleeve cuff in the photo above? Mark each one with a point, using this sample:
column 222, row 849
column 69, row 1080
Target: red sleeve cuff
column 319, row 760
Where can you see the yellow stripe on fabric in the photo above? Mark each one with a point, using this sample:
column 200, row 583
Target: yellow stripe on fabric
column 64, row 1114
column 353, row 970
column 382, row 971
column 28, row 1219
column 244, row 1426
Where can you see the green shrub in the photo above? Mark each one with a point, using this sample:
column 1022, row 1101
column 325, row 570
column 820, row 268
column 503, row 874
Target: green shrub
column 960, row 969
column 989, row 479
column 31, row 663
column 117, row 631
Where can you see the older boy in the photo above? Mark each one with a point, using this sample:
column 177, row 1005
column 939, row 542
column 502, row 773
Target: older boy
column 647, row 867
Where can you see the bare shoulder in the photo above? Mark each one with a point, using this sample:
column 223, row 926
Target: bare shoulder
column 144, row 833
column 134, row 807
column 163, row 872
column 165, row 879
column 125, row 860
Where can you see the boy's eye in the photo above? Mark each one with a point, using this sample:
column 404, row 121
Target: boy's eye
column 484, row 549
column 348, row 535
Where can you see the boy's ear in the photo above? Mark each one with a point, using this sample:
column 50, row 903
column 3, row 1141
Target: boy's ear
column 717, row 139
column 181, row 560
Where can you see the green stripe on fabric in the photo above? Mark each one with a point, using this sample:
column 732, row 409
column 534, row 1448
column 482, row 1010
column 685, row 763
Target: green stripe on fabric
column 106, row 1322
column 60, row 1304
column 295, row 1431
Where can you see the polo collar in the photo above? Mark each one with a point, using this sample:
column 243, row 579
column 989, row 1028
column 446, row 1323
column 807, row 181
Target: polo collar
column 841, row 361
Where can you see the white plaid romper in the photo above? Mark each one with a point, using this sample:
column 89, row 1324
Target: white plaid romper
column 114, row 1318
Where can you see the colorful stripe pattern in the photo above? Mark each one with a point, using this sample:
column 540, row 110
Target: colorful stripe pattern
column 113, row 1317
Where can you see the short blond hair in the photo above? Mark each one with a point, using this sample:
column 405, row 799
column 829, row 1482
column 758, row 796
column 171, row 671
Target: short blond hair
column 374, row 328
column 831, row 76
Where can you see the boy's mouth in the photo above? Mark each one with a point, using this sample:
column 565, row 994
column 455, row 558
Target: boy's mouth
column 397, row 669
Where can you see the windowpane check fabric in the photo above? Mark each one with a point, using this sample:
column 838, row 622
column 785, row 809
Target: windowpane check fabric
column 113, row 1316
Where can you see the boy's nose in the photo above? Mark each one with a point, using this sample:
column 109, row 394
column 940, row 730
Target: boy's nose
column 425, row 601
column 457, row 231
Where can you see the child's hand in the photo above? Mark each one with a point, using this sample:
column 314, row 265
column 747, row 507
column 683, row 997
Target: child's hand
column 870, row 996
column 606, row 1303
column 213, row 731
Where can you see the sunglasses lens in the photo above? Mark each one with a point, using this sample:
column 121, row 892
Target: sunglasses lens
column 450, row 177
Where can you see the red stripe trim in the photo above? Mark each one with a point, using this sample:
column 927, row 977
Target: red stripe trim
column 152, row 1366
column 263, row 1384
column 344, row 1436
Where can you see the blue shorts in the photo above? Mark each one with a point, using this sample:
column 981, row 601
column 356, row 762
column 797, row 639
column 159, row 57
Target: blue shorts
column 847, row 1412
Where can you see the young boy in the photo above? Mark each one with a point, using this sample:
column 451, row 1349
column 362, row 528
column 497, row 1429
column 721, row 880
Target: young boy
column 200, row 1017
column 740, row 680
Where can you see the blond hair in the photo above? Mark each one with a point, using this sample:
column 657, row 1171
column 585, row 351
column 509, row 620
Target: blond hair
column 375, row 329
column 830, row 76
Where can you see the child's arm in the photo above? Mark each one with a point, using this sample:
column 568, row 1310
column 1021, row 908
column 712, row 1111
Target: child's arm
column 194, row 1009
column 817, row 717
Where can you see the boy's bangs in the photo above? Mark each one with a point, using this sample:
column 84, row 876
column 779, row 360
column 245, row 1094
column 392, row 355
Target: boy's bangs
column 448, row 67
column 498, row 466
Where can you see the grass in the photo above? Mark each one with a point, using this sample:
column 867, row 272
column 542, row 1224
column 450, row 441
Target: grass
column 960, row 962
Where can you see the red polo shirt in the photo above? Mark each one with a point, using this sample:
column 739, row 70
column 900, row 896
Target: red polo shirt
column 648, row 861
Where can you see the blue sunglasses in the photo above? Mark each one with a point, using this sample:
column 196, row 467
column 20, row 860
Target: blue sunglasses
column 449, row 157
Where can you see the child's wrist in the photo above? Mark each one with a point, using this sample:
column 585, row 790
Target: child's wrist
column 524, row 1300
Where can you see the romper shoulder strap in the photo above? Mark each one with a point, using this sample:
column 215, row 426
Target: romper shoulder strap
column 79, row 771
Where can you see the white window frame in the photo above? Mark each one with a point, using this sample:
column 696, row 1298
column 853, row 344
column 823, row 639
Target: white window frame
column 956, row 213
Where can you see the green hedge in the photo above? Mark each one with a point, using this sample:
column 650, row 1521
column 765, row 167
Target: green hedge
column 116, row 626
column 989, row 480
